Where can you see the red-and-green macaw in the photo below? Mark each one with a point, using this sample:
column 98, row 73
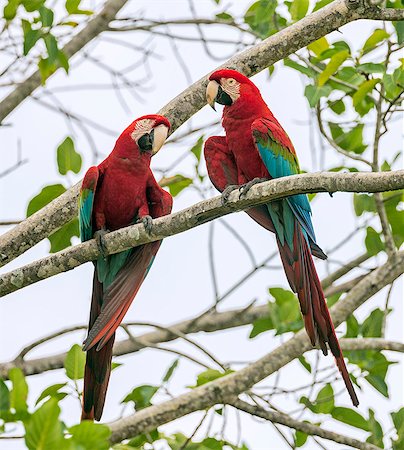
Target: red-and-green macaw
column 118, row 192
column 255, row 148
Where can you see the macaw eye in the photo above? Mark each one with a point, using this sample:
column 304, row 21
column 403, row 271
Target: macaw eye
column 231, row 81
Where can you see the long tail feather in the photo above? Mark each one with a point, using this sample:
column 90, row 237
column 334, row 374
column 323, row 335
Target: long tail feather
column 303, row 279
column 98, row 364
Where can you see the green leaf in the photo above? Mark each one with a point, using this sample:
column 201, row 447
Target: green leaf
column 350, row 417
column 283, row 314
column 333, row 65
column 364, row 203
column 52, row 391
column 4, row 396
column 372, row 326
column 30, row 37
column 19, row 390
column 378, row 36
column 260, row 17
column 75, row 362
column 47, row 194
column 337, row 106
column 142, row 439
column 141, row 396
column 376, row 436
column 61, row 238
column 299, row 67
column 321, row 3
column 314, row 93
column 52, row 48
column 46, row 15
column 10, row 10
column 63, row 61
column 371, row 68
column 373, row 242
column 90, row 436
column 300, row 438
column 197, row 148
column 360, row 95
column 299, row 9
column 68, row 158
column 398, row 420
column 225, row 16
column 319, row 46
column 352, row 327
column 303, row 361
column 399, row 26
column 177, row 183
column 72, row 6
column 351, row 140
column 377, row 381
column 46, row 68
column 32, row 5
column 44, row 430
column 170, row 371
column 324, row 403
column 209, row 375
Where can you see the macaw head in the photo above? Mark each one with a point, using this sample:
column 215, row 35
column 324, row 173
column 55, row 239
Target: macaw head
column 143, row 138
column 226, row 86
column 149, row 133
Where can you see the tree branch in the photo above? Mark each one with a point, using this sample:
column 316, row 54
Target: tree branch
column 182, row 107
column 93, row 28
column 305, row 427
column 226, row 389
column 196, row 215
column 214, row 321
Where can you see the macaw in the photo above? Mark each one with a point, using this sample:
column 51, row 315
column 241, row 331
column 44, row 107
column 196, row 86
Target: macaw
column 257, row 148
column 120, row 191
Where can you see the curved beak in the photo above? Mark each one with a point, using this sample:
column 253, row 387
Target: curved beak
column 160, row 135
column 211, row 93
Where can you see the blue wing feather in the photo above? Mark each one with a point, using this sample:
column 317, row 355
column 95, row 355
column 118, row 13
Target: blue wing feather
column 273, row 155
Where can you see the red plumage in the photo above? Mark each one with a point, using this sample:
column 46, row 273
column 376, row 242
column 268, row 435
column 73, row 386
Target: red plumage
column 118, row 192
column 235, row 160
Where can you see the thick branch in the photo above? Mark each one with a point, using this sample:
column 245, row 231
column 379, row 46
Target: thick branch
column 226, row 389
column 181, row 108
column 196, row 215
column 94, row 27
column 308, row 428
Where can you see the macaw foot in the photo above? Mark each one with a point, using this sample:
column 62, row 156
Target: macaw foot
column 225, row 194
column 147, row 222
column 246, row 187
column 99, row 237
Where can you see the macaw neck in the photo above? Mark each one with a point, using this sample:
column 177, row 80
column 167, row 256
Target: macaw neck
column 247, row 108
column 126, row 157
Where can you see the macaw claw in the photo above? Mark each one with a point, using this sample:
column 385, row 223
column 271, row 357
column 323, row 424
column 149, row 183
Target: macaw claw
column 99, row 238
column 228, row 190
column 246, row 187
column 147, row 222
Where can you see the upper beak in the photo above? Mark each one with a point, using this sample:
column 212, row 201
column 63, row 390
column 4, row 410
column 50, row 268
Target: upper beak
column 211, row 93
column 160, row 135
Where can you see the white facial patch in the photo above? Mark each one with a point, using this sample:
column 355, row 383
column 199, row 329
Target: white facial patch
column 231, row 87
column 142, row 127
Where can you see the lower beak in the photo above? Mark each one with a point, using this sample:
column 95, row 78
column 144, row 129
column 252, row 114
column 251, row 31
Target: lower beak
column 211, row 93
column 160, row 136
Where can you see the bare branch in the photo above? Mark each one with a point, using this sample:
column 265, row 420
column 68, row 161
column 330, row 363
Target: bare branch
column 305, row 427
column 94, row 27
column 196, row 215
column 339, row 273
